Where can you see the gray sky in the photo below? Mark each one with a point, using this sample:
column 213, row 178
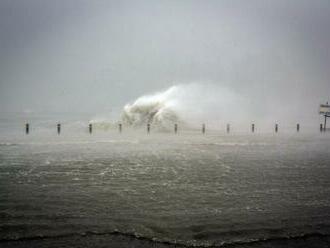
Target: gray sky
column 90, row 56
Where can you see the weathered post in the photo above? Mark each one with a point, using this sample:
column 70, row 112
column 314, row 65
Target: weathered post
column 228, row 128
column 90, row 128
column 298, row 127
column 27, row 128
column 252, row 128
column 203, row 128
column 120, row 127
column 175, row 128
column 58, row 128
column 148, row 128
column 276, row 128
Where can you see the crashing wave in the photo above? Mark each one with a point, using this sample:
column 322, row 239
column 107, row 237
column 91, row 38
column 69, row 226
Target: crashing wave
column 189, row 105
column 158, row 109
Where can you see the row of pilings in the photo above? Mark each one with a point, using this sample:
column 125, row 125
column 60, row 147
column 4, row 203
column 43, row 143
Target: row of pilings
column 203, row 129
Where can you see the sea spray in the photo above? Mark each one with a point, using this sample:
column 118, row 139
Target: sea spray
column 188, row 105
column 159, row 109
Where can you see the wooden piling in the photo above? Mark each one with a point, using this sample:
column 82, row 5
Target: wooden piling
column 27, row 128
column 175, row 128
column 148, row 128
column 276, row 128
column 298, row 127
column 252, row 128
column 90, row 128
column 58, row 128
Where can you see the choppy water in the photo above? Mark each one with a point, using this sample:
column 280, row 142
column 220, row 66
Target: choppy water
column 137, row 190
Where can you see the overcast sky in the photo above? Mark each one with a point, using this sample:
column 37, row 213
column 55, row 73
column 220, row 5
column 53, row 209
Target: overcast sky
column 90, row 56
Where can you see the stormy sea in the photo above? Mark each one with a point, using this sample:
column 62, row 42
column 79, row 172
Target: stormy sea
column 161, row 189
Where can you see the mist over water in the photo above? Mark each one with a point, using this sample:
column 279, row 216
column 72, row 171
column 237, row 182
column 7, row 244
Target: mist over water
column 186, row 104
column 103, row 70
column 191, row 104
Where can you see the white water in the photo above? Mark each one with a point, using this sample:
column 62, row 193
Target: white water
column 187, row 104
column 190, row 105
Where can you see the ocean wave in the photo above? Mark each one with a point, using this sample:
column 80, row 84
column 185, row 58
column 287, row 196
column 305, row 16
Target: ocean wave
column 8, row 144
column 273, row 241
column 187, row 104
column 158, row 109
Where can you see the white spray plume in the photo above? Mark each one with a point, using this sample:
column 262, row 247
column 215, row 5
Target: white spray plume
column 188, row 104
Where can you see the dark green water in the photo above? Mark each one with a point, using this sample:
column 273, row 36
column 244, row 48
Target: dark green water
column 138, row 190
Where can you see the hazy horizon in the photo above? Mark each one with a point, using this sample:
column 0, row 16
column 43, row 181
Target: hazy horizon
column 97, row 56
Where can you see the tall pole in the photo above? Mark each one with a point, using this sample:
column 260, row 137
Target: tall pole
column 27, row 128
column 58, row 128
